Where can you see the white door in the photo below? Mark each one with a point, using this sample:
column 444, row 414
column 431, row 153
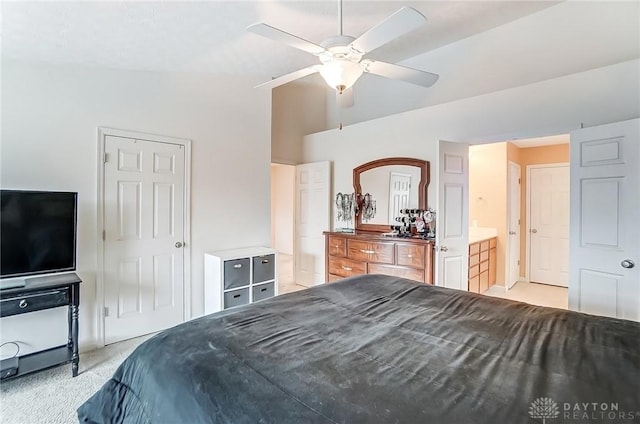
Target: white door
column 144, row 185
column 605, row 235
column 549, row 224
column 513, row 265
column 313, row 216
column 399, row 193
column 452, row 219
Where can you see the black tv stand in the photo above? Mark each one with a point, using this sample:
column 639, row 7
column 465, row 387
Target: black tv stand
column 44, row 293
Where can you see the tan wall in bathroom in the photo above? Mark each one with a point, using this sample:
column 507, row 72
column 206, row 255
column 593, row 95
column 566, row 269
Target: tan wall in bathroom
column 488, row 194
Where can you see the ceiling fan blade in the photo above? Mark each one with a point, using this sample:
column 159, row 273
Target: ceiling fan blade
column 388, row 70
column 284, row 37
column 345, row 99
column 402, row 22
column 301, row 73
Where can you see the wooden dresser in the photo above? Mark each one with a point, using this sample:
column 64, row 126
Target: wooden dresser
column 350, row 254
column 482, row 264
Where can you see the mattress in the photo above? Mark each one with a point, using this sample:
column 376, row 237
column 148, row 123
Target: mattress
column 378, row 349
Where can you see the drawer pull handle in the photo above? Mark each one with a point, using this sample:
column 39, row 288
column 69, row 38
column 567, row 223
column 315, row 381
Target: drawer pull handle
column 337, row 246
column 265, row 261
column 347, row 268
column 235, row 296
column 263, row 290
column 237, row 266
column 368, row 252
column 409, row 256
column 23, row 304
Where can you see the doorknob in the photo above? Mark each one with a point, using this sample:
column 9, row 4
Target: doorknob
column 627, row 263
column 533, row 230
column 444, row 249
column 179, row 244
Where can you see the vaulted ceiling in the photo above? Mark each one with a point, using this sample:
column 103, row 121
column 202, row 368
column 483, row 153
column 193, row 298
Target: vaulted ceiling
column 476, row 46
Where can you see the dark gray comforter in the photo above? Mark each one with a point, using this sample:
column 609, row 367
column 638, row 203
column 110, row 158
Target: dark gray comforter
column 377, row 349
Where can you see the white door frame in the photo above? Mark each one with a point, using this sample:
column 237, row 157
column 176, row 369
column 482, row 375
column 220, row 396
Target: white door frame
column 508, row 265
column 103, row 132
column 528, row 212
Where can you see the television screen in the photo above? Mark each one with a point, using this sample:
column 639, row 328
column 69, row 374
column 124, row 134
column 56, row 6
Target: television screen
column 37, row 232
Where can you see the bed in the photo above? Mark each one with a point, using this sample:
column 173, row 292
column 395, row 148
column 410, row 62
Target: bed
column 376, row 349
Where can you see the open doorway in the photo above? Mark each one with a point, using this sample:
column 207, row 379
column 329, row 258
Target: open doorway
column 500, row 209
column 283, row 180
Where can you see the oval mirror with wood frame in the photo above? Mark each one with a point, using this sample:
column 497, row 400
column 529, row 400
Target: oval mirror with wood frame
column 382, row 175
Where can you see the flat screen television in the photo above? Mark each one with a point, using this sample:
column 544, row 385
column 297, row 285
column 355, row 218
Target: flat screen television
column 37, row 232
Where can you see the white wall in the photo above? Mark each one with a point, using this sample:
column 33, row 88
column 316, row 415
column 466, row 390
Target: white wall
column 283, row 180
column 49, row 141
column 550, row 107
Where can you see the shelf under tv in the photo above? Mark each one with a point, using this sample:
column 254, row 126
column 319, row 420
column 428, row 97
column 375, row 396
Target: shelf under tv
column 40, row 293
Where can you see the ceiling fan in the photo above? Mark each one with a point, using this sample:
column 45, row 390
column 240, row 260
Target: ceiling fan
column 341, row 57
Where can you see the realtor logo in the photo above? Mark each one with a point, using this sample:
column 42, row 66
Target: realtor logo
column 544, row 408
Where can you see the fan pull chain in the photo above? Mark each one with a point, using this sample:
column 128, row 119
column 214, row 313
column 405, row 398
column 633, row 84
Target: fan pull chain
column 339, row 107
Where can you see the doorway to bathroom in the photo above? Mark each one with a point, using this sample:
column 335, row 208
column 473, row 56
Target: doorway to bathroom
column 500, row 206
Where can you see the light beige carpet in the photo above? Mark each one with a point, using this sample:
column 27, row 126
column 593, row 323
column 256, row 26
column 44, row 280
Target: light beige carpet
column 52, row 396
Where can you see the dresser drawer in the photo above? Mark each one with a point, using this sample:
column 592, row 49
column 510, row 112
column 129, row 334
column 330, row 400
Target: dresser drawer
column 484, row 256
column 34, row 302
column 474, row 284
column 410, row 255
column 474, row 248
column 337, row 246
column 370, row 251
column 484, row 246
column 346, row 267
column 493, row 243
column 474, row 259
column 474, row 270
column 333, row 278
column 484, row 281
column 484, row 266
column 397, row 271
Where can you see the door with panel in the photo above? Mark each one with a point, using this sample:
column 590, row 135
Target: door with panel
column 313, row 216
column 452, row 269
column 144, row 189
column 399, row 193
column 605, row 235
column 549, row 224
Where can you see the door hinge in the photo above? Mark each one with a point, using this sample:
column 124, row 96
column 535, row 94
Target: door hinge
column 518, row 180
column 518, row 261
column 106, row 312
column 104, row 235
column 106, row 157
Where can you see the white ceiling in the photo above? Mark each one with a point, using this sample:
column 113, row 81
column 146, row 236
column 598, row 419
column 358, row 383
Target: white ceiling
column 210, row 36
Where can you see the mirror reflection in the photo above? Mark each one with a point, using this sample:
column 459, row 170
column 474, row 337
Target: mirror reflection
column 392, row 187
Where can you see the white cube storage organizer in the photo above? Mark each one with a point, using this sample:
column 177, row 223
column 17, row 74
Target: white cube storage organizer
column 238, row 276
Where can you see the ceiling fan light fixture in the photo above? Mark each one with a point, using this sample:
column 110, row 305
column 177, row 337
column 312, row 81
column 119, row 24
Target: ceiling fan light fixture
column 341, row 74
